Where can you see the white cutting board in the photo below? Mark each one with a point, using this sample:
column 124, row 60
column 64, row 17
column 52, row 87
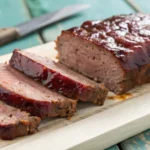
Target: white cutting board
column 92, row 127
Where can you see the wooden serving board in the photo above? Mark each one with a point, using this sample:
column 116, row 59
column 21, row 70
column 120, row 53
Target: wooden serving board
column 92, row 127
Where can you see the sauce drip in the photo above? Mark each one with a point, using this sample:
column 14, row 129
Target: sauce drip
column 120, row 97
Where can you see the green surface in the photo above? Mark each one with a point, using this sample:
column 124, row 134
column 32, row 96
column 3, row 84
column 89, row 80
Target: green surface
column 139, row 142
column 113, row 148
column 99, row 9
column 13, row 12
column 144, row 5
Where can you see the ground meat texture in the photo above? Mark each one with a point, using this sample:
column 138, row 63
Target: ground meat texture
column 58, row 77
column 18, row 90
column 114, row 51
column 15, row 123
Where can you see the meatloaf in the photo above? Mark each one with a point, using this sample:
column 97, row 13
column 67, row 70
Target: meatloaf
column 18, row 90
column 15, row 123
column 58, row 77
column 115, row 51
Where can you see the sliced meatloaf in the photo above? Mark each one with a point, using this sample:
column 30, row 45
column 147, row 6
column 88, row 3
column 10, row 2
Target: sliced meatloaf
column 58, row 77
column 20, row 91
column 15, row 123
column 115, row 51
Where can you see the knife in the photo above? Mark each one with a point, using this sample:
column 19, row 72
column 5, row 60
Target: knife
column 13, row 33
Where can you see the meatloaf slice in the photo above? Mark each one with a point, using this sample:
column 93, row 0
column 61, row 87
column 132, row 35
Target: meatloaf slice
column 15, row 123
column 115, row 51
column 26, row 94
column 58, row 77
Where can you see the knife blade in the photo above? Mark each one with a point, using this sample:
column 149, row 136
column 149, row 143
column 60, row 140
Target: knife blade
column 13, row 33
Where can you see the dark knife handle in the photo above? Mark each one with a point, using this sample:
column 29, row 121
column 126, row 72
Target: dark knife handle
column 7, row 35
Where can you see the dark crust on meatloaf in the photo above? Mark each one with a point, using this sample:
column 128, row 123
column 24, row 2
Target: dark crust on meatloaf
column 19, row 126
column 63, row 80
column 127, row 38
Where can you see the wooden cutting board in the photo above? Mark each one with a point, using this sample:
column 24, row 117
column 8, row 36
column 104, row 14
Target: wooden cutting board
column 92, row 127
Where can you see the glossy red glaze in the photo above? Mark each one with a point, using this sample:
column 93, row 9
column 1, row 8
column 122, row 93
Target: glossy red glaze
column 50, row 78
column 126, row 36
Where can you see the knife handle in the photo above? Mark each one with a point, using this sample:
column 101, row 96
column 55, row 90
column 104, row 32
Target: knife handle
column 7, row 35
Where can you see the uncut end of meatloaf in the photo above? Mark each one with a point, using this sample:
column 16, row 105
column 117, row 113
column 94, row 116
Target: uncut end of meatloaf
column 114, row 51
column 18, row 90
column 15, row 123
column 48, row 72
column 98, row 64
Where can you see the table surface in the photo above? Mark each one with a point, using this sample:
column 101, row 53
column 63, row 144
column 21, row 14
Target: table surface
column 13, row 12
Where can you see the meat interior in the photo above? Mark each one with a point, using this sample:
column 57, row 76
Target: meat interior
column 10, row 115
column 57, row 67
column 92, row 61
column 15, row 123
column 18, row 83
